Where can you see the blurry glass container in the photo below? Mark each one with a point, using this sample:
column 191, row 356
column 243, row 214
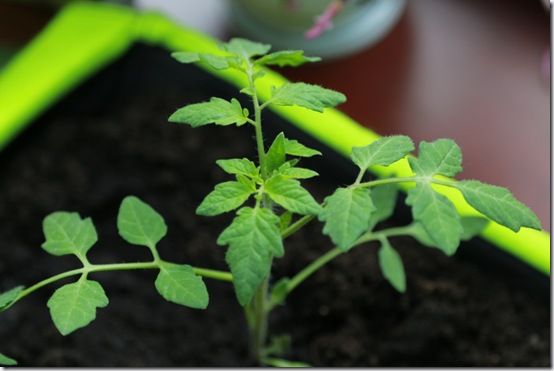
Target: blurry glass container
column 282, row 23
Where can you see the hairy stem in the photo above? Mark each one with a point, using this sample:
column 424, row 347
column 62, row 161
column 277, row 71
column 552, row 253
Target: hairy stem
column 257, row 310
column 91, row 268
column 257, row 121
column 259, row 332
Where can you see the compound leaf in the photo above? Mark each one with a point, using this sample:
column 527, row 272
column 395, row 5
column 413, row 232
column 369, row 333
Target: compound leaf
column 245, row 48
column 443, row 156
column 217, row 111
column 66, row 233
column 284, row 58
column 437, row 215
column 309, row 96
column 499, row 204
column 7, row 361
column 8, row 297
column 295, row 148
column 74, row 305
column 347, row 214
column 239, row 166
column 253, row 237
column 140, row 224
column 291, row 195
column 180, row 285
column 225, row 197
column 391, row 266
column 384, row 151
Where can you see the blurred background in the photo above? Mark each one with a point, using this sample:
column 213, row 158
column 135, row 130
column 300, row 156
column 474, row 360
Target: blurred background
column 476, row 71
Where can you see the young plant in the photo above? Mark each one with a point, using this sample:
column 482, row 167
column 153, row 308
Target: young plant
column 270, row 204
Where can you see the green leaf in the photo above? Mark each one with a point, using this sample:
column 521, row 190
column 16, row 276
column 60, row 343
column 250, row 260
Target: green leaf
column 276, row 154
column 279, row 291
column 253, row 237
column 384, row 200
column 215, row 61
column 284, row 220
column 242, row 166
column 291, row 195
column 140, row 224
column 246, row 48
column 418, row 232
column 384, row 151
column 74, row 305
column 437, row 215
column 218, row 62
column 472, row 226
column 346, row 214
column 225, row 197
column 391, row 266
column 186, row 57
column 309, row 96
column 498, row 204
column 7, row 361
column 8, row 297
column 296, row 172
column 283, row 363
column 284, row 58
column 217, row 111
column 66, row 233
column 180, row 285
column 295, row 148
column 442, row 156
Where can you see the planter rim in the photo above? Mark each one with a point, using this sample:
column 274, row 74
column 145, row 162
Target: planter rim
column 86, row 36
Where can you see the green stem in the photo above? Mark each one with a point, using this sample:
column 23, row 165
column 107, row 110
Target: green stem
column 312, row 268
column 256, row 312
column 91, row 268
column 293, row 228
column 378, row 182
column 257, row 121
column 317, row 264
column 259, row 332
column 213, row 274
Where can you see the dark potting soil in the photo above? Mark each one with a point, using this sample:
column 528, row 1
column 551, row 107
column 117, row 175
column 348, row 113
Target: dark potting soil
column 110, row 138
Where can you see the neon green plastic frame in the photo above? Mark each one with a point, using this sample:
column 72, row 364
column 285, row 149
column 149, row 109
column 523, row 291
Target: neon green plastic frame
column 84, row 37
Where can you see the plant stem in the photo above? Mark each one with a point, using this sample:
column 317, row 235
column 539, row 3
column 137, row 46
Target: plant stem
column 259, row 332
column 90, row 268
column 256, row 312
column 312, row 268
column 378, row 182
column 257, row 121
column 293, row 228
column 315, row 265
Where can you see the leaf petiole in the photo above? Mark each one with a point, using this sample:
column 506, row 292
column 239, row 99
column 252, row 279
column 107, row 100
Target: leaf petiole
column 317, row 264
column 90, row 268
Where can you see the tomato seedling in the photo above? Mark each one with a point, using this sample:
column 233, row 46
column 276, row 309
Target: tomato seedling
column 270, row 204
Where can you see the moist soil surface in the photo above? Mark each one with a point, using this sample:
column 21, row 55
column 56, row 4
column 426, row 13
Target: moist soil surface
column 110, row 138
